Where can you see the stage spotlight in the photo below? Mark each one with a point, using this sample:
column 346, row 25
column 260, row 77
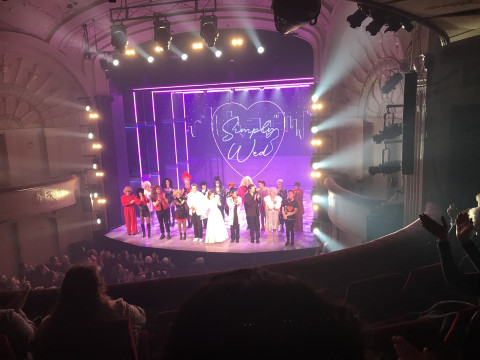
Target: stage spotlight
column 389, row 167
column 197, row 46
column 391, row 131
column 208, row 29
column 115, row 62
column 96, row 146
column 289, row 15
column 91, row 135
column 99, row 174
column 260, row 49
column 317, row 106
column 184, row 57
column 393, row 23
column 314, row 98
column 118, row 35
column 101, row 201
column 358, row 17
column 218, row 53
column 130, row 52
column 158, row 48
column 315, row 174
column 104, row 64
column 391, row 82
column 315, row 227
column 316, row 142
column 150, row 59
column 377, row 23
column 93, row 115
column 99, row 220
column 407, row 24
column 314, row 126
column 88, row 108
column 315, row 207
column 161, row 34
column 237, row 42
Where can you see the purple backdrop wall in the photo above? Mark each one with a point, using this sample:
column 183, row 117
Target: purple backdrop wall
column 259, row 131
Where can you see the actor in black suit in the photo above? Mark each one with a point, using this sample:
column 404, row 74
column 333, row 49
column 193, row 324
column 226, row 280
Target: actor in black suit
column 252, row 199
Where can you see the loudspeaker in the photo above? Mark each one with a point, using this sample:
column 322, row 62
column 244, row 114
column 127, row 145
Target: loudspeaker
column 409, row 112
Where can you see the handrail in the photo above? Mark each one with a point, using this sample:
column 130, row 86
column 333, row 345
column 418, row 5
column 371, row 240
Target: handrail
column 349, row 195
column 38, row 184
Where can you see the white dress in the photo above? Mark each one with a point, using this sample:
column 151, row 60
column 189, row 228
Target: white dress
column 216, row 230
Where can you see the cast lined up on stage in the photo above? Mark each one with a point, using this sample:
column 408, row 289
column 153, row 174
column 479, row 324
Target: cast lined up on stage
column 266, row 209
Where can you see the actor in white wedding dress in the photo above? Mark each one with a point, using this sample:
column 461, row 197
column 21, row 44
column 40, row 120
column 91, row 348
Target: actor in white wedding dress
column 216, row 229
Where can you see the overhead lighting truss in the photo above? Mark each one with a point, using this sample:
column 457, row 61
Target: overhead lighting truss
column 155, row 9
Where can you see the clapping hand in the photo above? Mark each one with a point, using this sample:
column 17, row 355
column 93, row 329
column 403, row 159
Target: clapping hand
column 464, row 227
column 434, row 228
column 452, row 212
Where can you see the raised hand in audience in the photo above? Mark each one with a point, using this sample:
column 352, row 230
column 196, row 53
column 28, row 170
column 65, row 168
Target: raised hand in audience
column 452, row 212
column 434, row 228
column 464, row 227
column 406, row 351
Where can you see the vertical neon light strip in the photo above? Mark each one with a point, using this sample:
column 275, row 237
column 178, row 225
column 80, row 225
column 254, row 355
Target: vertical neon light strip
column 185, row 123
column 138, row 137
column 175, row 138
column 156, row 141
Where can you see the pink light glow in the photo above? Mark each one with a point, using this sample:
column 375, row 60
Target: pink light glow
column 186, row 141
column 257, row 83
column 175, row 138
column 138, row 138
column 156, row 141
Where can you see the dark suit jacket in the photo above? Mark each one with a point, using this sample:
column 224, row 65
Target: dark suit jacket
column 251, row 205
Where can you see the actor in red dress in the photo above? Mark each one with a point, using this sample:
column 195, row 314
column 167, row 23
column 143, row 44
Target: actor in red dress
column 128, row 201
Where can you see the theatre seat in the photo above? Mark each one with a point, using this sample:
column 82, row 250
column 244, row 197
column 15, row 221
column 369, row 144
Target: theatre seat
column 6, row 352
column 376, row 298
column 102, row 340
column 426, row 286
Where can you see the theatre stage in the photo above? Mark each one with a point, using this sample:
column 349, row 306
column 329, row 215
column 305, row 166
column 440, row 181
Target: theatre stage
column 244, row 252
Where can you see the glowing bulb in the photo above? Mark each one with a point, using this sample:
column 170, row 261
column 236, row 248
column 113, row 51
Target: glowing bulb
column 115, row 62
column 158, row 48
column 234, row 42
column 316, row 198
column 184, row 57
column 95, row 195
column 90, row 135
column 101, row 201
column 96, row 146
column 315, row 207
column 95, row 166
column 239, row 42
column 218, row 53
column 88, row 108
column 99, row 221
column 314, row 98
column 316, row 231
column 93, row 115
column 261, row 49
column 99, row 173
column 150, row 59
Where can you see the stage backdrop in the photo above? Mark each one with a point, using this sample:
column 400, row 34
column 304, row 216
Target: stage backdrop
column 232, row 130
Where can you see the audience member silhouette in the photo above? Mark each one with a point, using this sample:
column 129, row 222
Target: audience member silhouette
column 256, row 314
column 81, row 307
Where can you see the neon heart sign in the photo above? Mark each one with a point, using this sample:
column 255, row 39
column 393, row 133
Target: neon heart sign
column 248, row 138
